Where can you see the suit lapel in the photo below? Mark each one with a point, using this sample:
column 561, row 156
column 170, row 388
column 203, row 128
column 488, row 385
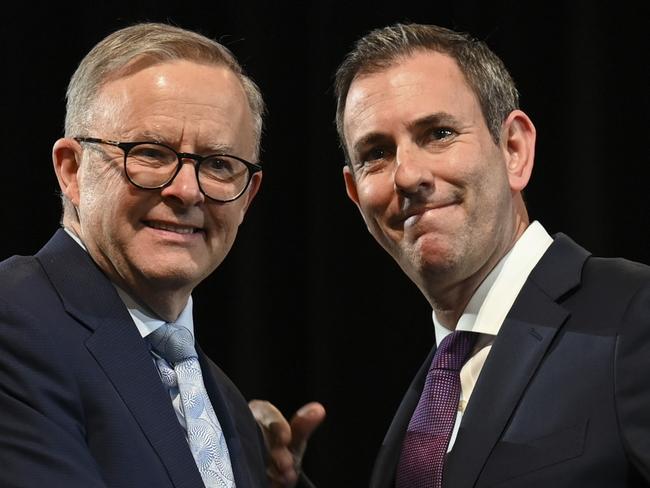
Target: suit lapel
column 120, row 351
column 517, row 352
column 225, row 413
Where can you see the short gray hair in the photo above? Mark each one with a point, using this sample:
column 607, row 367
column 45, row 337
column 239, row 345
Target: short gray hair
column 382, row 48
column 151, row 42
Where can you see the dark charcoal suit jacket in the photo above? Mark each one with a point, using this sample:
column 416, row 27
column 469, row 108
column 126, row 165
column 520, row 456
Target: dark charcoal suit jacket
column 563, row 400
column 81, row 403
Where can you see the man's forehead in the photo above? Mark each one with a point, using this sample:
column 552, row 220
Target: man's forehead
column 412, row 86
column 167, row 99
column 151, row 61
column 179, row 74
column 422, row 68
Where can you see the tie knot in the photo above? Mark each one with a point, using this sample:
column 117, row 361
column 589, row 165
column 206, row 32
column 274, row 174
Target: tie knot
column 173, row 343
column 454, row 350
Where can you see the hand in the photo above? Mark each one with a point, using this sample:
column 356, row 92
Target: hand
column 286, row 441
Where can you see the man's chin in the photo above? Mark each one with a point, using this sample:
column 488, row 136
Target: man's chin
column 430, row 258
column 431, row 251
column 165, row 275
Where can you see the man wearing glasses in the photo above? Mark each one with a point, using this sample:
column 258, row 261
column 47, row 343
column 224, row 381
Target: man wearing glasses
column 100, row 381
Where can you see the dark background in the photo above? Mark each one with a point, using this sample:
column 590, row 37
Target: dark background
column 307, row 306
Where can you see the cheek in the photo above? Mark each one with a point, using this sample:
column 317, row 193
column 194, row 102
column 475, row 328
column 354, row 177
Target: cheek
column 375, row 194
column 97, row 188
column 489, row 204
column 224, row 221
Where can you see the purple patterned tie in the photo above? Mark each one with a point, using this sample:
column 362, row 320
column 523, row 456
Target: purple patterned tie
column 428, row 433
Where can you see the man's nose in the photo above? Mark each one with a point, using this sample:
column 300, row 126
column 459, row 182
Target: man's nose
column 413, row 172
column 185, row 186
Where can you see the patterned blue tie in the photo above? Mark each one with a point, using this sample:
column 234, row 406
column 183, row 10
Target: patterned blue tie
column 208, row 445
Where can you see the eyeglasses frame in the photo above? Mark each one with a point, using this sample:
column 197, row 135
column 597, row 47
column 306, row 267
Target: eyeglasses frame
column 180, row 156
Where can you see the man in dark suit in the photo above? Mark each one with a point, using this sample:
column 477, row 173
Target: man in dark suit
column 551, row 388
column 155, row 176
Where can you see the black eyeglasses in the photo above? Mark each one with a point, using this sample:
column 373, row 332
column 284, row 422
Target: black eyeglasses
column 152, row 165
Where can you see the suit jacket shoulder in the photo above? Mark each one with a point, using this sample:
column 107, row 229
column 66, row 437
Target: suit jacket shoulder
column 81, row 399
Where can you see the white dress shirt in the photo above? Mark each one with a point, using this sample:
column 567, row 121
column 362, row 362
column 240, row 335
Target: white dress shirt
column 491, row 302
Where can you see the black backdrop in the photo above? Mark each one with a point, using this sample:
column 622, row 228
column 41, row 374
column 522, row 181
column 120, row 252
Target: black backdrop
column 307, row 306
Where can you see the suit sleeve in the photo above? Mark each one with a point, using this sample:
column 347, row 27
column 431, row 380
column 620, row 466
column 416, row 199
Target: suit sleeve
column 633, row 381
column 42, row 434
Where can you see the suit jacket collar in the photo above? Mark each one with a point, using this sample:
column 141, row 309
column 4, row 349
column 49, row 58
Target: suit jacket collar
column 525, row 336
column 528, row 331
column 118, row 348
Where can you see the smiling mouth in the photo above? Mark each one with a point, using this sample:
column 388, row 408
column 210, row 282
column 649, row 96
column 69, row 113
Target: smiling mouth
column 415, row 216
column 175, row 228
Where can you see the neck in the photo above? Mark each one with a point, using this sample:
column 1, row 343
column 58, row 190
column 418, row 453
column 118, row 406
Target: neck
column 166, row 306
column 165, row 303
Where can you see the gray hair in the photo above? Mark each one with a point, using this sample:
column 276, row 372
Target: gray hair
column 150, row 42
column 382, row 48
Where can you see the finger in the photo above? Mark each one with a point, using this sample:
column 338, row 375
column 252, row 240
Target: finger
column 303, row 424
column 276, row 429
column 282, row 469
column 281, row 480
column 283, row 465
column 282, row 459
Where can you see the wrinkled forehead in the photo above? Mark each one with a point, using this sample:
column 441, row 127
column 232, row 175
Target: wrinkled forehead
column 179, row 100
column 410, row 87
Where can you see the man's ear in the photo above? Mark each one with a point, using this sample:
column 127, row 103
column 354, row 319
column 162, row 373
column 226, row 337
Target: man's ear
column 518, row 143
column 253, row 188
column 350, row 184
column 66, row 156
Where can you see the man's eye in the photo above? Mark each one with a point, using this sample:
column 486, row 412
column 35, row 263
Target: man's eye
column 441, row 133
column 373, row 156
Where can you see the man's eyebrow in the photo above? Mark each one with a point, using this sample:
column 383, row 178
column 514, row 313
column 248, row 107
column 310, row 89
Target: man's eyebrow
column 217, row 148
column 435, row 119
column 369, row 139
column 146, row 136
column 210, row 148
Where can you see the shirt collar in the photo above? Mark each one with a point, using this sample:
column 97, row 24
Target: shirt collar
column 492, row 300
column 75, row 238
column 146, row 321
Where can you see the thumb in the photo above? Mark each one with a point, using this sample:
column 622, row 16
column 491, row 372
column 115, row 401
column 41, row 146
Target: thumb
column 303, row 424
column 276, row 429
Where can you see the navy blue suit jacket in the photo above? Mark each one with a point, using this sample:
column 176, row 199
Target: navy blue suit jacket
column 563, row 400
column 81, row 403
